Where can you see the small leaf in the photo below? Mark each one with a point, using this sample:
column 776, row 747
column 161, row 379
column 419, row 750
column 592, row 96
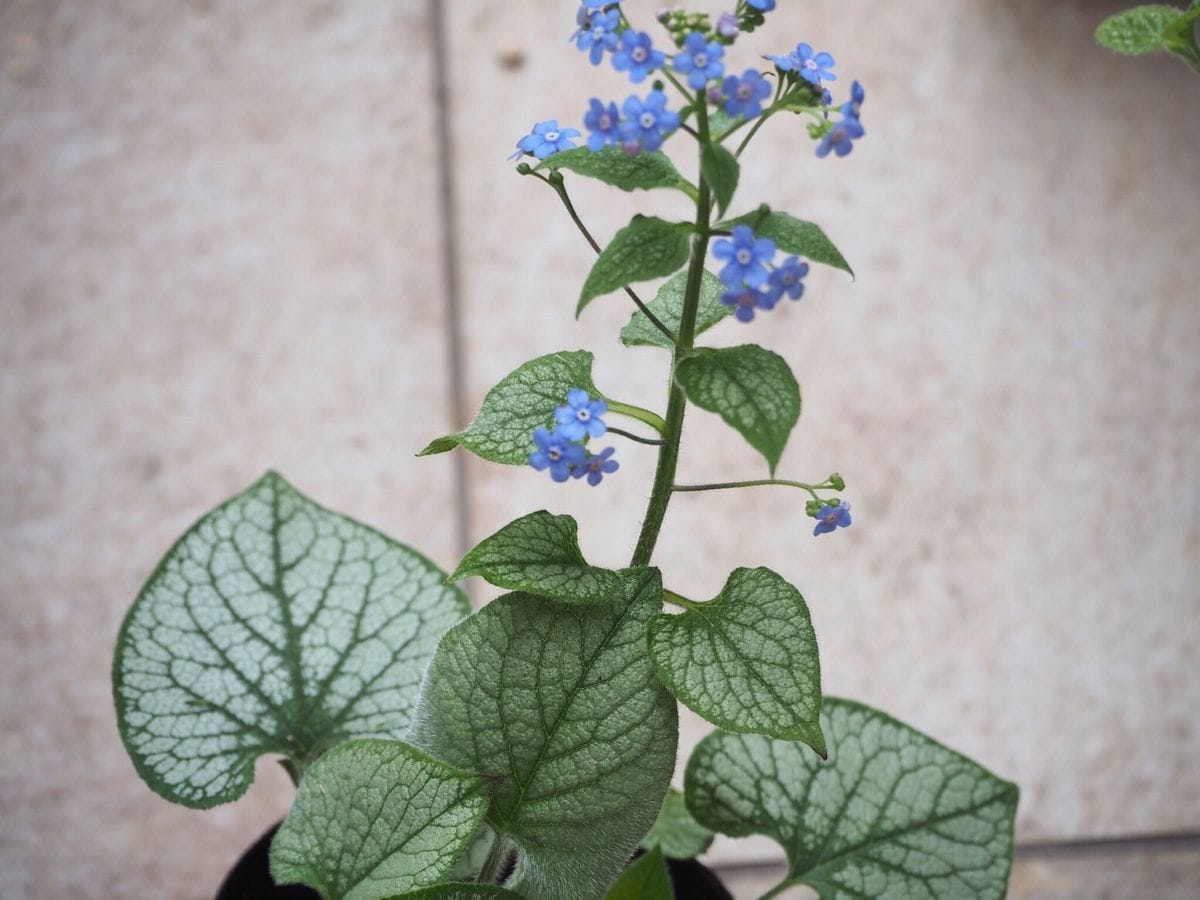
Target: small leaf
column 792, row 235
column 458, row 892
column 752, row 389
column 645, row 879
column 614, row 166
column 746, row 660
column 1138, row 30
column 645, row 248
column 272, row 626
column 892, row 814
column 524, row 400
column 668, row 307
column 375, row 818
column 539, row 554
column 676, row 833
column 582, row 779
column 720, row 169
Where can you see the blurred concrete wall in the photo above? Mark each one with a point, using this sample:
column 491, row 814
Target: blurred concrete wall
column 223, row 248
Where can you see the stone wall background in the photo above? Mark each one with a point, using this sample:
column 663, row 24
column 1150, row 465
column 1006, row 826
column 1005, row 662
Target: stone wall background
column 224, row 248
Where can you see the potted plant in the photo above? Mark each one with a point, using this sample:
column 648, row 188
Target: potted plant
column 527, row 749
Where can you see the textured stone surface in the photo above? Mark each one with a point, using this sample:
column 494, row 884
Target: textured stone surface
column 1011, row 386
column 216, row 259
column 219, row 253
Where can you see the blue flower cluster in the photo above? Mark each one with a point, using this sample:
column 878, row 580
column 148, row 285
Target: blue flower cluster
column 641, row 124
column 754, row 282
column 813, row 67
column 562, row 451
column 841, row 136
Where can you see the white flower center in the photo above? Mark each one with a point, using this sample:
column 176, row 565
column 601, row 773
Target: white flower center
column 582, row 415
column 639, row 54
column 551, row 136
column 598, row 32
column 647, row 120
column 701, row 60
column 605, row 122
column 554, row 454
column 744, row 92
column 744, row 256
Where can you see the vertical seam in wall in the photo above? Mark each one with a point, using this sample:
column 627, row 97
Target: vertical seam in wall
column 453, row 317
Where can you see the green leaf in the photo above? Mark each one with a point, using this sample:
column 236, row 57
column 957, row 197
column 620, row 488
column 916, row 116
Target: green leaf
column 614, row 166
column 1138, row 30
column 746, row 660
column 668, row 307
column 272, row 626
column 539, row 554
column 374, row 818
column 792, row 235
column 522, row 401
column 645, row 879
column 560, row 702
column 720, row 169
column 458, row 892
column 892, row 814
column 676, row 833
column 645, row 248
column 752, row 389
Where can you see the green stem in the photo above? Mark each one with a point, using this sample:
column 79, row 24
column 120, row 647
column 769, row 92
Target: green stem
column 654, row 420
column 680, row 600
column 493, row 866
column 560, row 188
column 780, row 888
column 759, row 482
column 668, row 454
column 634, row 437
column 751, row 133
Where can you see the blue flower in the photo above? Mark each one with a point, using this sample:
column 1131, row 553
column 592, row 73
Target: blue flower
column 745, row 95
column 789, row 279
column 830, row 518
column 852, row 108
column 745, row 256
column 840, row 138
column 637, row 55
column 647, row 122
column 700, row 60
column 599, row 34
column 597, row 466
column 812, row 67
column 747, row 299
column 580, row 417
column 727, row 25
column 763, row 5
column 556, row 453
column 546, row 139
column 604, row 122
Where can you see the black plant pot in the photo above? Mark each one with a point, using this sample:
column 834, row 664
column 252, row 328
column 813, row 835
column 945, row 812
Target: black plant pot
column 250, row 879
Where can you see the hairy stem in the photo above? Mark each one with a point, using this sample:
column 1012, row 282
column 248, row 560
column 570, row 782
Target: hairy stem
column 668, row 454
column 645, row 416
column 760, row 482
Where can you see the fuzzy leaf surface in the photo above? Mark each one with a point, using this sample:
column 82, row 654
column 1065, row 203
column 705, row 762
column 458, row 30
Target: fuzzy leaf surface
column 375, row 818
column 892, row 813
column 272, row 626
column 646, row 248
column 721, row 170
column 667, row 305
column 752, row 389
column 792, row 235
column 522, row 401
column 614, row 166
column 539, row 554
column 561, row 703
column 675, row 832
column 1141, row 29
column 645, row 879
column 746, row 660
column 454, row 891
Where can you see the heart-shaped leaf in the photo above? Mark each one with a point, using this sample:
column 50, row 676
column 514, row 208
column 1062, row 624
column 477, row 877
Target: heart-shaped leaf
column 539, row 554
column 523, row 401
column 272, row 626
column 375, row 818
column 583, row 774
column 645, row 248
column 892, row 814
column 667, row 306
column 792, row 235
column 752, row 389
column 645, row 879
column 747, row 659
column 675, row 832
column 614, row 166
